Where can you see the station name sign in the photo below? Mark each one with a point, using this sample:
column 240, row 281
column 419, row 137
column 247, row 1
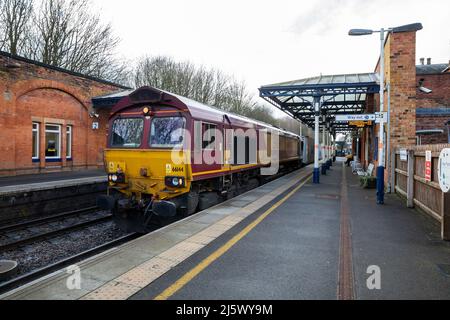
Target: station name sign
column 355, row 117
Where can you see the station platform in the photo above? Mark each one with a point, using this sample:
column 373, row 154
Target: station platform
column 34, row 182
column 288, row 239
column 48, row 193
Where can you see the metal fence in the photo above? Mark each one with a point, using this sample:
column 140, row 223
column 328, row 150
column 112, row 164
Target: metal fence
column 410, row 182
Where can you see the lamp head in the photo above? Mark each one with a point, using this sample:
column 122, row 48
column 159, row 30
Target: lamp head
column 360, row 32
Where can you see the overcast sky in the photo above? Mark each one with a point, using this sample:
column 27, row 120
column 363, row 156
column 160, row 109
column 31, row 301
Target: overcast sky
column 269, row 41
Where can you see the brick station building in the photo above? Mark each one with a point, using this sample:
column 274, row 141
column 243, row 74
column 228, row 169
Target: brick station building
column 417, row 96
column 433, row 108
column 47, row 122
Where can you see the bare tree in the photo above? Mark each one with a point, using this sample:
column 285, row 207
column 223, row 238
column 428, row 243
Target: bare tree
column 15, row 16
column 68, row 36
column 62, row 33
column 208, row 86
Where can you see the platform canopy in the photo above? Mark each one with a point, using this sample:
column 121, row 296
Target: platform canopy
column 338, row 94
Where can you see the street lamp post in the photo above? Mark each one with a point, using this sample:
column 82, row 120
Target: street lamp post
column 381, row 157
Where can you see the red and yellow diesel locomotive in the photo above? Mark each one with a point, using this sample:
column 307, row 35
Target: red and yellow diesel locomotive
column 159, row 152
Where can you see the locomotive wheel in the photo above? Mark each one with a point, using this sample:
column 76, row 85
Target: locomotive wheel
column 207, row 200
column 192, row 202
column 253, row 183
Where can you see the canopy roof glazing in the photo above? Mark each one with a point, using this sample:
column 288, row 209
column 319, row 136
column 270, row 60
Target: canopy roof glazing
column 338, row 94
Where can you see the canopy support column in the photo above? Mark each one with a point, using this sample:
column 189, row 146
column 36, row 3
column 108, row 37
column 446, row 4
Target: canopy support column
column 324, row 153
column 329, row 155
column 380, row 169
column 330, row 136
column 316, row 173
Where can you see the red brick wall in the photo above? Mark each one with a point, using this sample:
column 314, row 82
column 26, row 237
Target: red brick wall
column 401, row 74
column 439, row 98
column 35, row 93
column 433, row 122
column 440, row 84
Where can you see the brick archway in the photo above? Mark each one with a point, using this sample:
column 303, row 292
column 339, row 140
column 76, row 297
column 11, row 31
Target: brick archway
column 44, row 102
column 22, row 88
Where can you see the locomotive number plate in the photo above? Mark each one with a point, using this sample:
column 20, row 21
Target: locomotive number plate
column 170, row 169
column 113, row 166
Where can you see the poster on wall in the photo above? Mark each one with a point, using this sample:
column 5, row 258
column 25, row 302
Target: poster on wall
column 403, row 155
column 444, row 170
column 428, row 159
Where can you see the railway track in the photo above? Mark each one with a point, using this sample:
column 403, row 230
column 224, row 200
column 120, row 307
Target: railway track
column 51, row 234
column 28, row 277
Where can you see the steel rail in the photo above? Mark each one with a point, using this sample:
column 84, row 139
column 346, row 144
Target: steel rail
column 53, row 233
column 21, row 225
column 36, row 274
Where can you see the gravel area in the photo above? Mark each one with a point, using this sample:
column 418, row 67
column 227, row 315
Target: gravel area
column 44, row 253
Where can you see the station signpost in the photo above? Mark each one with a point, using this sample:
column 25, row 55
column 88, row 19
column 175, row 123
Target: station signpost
column 444, row 183
column 444, row 170
column 355, row 117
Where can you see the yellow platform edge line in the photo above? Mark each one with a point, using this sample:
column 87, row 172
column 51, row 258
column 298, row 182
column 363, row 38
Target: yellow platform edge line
column 186, row 278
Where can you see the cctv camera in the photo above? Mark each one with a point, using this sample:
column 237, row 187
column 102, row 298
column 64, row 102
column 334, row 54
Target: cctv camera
column 425, row 90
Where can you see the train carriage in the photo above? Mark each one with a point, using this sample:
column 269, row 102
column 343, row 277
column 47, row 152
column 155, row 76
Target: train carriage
column 169, row 155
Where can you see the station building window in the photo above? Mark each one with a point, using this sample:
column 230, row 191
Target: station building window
column 69, row 142
column 52, row 142
column 35, row 142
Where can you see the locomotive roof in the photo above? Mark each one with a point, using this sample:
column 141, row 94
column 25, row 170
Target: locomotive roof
column 197, row 109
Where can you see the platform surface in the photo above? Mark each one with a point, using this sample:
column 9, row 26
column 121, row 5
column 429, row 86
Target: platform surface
column 34, row 182
column 294, row 253
column 280, row 241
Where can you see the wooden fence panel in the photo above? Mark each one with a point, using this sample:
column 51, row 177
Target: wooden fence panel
column 424, row 194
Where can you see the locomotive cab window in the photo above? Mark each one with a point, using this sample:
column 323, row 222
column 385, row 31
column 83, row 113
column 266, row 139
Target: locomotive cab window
column 127, row 132
column 167, row 132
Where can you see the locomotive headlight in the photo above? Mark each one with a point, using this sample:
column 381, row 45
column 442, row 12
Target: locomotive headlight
column 114, row 178
column 146, row 111
column 176, row 182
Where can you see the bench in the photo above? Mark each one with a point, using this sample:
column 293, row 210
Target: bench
column 356, row 165
column 367, row 173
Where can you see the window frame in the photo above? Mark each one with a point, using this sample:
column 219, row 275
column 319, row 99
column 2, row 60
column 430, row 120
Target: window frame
column 215, row 137
column 111, row 133
column 33, row 130
column 58, row 156
column 149, row 143
column 69, row 133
